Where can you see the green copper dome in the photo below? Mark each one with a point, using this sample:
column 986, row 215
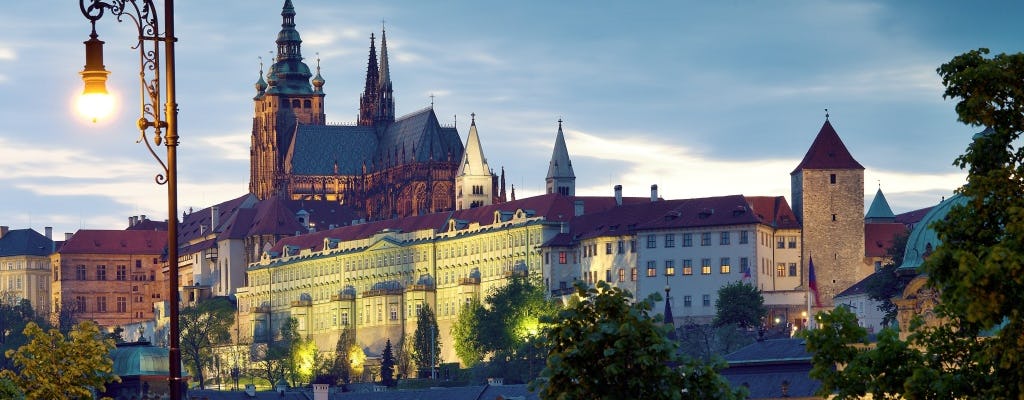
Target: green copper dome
column 923, row 240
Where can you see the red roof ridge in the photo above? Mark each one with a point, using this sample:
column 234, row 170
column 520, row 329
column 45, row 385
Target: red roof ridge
column 827, row 152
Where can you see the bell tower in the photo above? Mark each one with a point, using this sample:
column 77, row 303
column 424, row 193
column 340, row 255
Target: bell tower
column 285, row 99
column 828, row 199
column 561, row 179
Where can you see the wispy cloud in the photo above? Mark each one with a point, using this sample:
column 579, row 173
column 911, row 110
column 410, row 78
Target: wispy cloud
column 229, row 147
column 7, row 54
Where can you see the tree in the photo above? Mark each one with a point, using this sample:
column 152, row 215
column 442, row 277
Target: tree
column 204, row 326
column 52, row 366
column 15, row 314
column 740, row 304
column 425, row 341
column 403, row 357
column 513, row 315
column 387, row 366
column 341, row 367
column 977, row 268
column 606, row 346
column 465, row 332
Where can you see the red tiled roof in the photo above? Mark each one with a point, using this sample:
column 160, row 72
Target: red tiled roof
column 192, row 224
column 115, row 242
column 274, row 218
column 878, row 237
column 827, row 152
column 774, row 211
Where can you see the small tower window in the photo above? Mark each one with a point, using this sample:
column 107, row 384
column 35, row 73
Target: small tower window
column 307, row 104
column 833, row 218
column 832, row 179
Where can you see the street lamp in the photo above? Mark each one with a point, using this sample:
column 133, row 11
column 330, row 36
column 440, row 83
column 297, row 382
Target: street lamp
column 165, row 124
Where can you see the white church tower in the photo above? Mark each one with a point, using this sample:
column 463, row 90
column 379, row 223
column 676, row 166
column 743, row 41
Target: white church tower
column 560, row 177
column 474, row 183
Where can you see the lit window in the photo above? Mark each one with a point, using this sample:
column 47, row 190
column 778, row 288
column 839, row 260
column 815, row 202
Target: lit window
column 780, row 270
column 705, row 266
column 687, row 267
column 562, row 257
column 670, row 267
column 632, row 274
column 651, row 269
column 622, row 274
column 725, row 268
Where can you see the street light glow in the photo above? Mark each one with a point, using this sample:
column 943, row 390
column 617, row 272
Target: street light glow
column 95, row 106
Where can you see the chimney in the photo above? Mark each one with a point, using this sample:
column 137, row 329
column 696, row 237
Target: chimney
column 49, row 232
column 654, row 193
column 618, row 195
column 68, row 235
column 3, row 230
column 579, row 207
column 131, row 221
column 141, row 218
column 214, row 218
column 320, row 391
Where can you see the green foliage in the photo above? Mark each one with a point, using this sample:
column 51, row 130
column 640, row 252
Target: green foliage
column 740, row 304
column 608, row 347
column 15, row 315
column 341, row 365
column 403, row 357
column 465, row 334
column 52, row 366
column 9, row 390
column 513, row 315
column 426, row 342
column 387, row 366
column 978, row 269
column 203, row 326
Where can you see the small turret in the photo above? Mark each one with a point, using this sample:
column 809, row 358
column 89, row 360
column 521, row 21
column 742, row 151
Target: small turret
column 318, row 81
column 561, row 179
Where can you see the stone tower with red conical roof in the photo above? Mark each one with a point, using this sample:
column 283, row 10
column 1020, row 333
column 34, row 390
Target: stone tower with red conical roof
column 828, row 199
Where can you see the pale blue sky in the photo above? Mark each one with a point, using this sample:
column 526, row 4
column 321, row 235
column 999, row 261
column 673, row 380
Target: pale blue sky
column 701, row 98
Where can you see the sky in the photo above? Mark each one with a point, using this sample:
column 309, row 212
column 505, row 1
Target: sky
column 701, row 98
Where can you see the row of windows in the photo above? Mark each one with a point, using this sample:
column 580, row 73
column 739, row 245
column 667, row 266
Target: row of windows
column 724, row 267
column 669, row 239
column 100, row 305
column 705, row 300
column 81, row 273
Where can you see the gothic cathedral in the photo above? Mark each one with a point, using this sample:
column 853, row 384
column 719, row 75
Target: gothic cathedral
column 382, row 167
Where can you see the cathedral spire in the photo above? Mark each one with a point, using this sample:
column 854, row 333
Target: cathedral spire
column 385, row 93
column 561, row 178
column 368, row 101
column 474, row 181
column 288, row 74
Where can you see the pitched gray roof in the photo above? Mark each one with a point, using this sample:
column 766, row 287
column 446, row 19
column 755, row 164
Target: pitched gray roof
column 25, row 242
column 315, row 149
column 560, row 165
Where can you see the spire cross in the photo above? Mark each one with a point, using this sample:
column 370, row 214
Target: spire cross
column 473, row 116
column 431, row 100
column 826, row 114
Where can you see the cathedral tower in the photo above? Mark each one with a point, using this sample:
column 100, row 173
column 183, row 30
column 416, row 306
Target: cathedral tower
column 283, row 101
column 561, row 178
column 368, row 101
column 828, row 199
column 385, row 94
column 474, row 182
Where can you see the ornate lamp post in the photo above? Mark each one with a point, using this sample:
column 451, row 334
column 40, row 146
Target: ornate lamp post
column 164, row 123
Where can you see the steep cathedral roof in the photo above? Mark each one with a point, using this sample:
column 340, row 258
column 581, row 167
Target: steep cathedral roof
column 827, row 152
column 417, row 137
column 473, row 160
column 560, row 165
